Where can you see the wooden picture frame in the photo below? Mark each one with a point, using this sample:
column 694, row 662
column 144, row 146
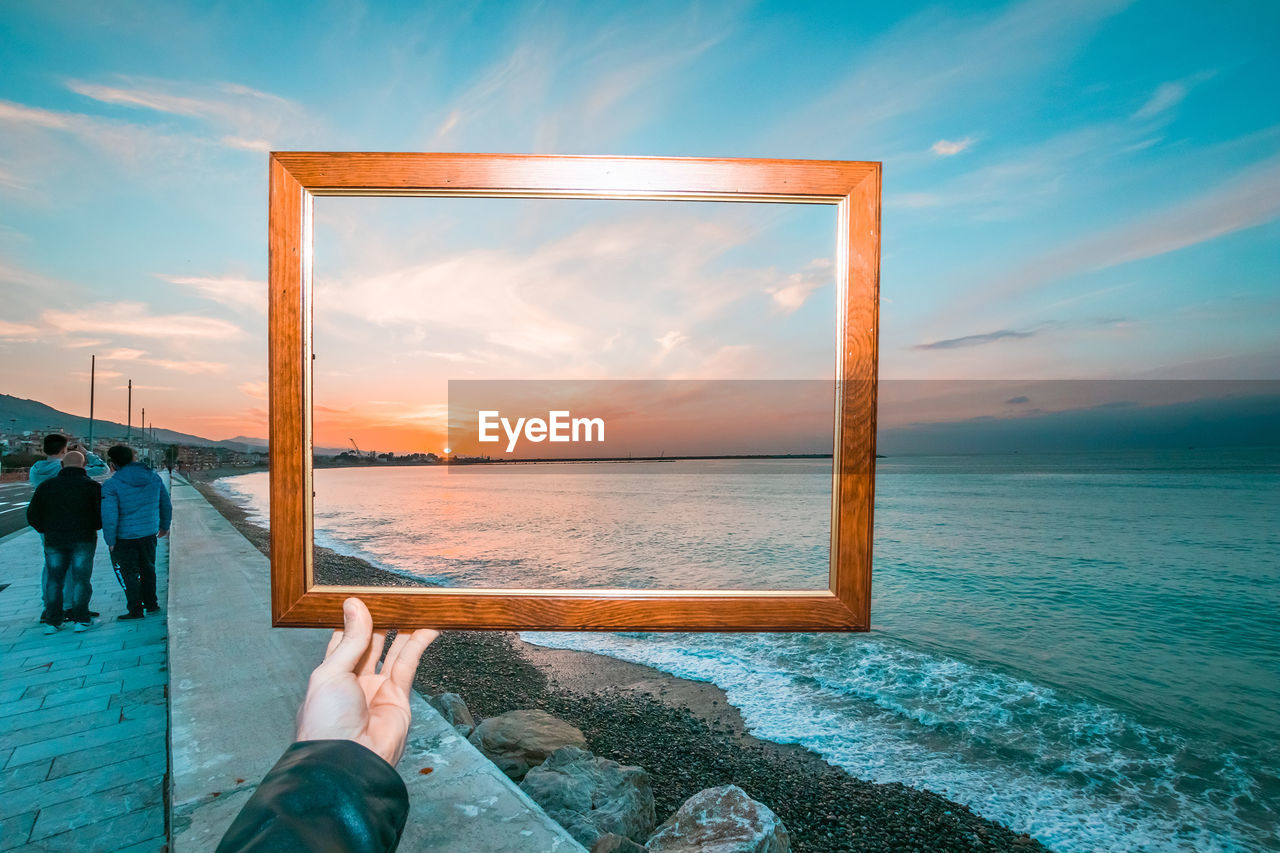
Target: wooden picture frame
column 853, row 187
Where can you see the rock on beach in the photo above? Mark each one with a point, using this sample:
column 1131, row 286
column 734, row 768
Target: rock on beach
column 454, row 711
column 721, row 820
column 519, row 740
column 591, row 796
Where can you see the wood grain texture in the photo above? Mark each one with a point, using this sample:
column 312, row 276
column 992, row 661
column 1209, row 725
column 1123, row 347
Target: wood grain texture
column 288, row 378
column 855, row 186
column 856, row 428
column 344, row 172
column 505, row 611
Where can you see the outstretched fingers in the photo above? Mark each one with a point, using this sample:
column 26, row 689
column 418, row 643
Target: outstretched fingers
column 405, row 664
column 348, row 646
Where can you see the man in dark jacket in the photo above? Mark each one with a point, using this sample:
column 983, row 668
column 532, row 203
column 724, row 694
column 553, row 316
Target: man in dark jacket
column 135, row 512
column 66, row 509
column 336, row 788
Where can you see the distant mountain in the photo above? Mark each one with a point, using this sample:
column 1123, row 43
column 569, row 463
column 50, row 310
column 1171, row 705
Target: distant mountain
column 18, row 414
column 244, row 439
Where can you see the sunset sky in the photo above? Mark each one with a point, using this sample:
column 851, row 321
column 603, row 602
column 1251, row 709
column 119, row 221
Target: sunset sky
column 1071, row 190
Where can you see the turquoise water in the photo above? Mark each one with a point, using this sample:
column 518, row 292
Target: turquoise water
column 1086, row 648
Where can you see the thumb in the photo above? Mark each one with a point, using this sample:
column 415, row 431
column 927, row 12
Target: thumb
column 357, row 631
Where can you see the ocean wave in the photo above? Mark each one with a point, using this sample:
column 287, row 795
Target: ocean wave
column 1075, row 774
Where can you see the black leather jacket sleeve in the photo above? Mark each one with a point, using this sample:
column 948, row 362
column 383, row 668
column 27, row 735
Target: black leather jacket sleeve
column 323, row 795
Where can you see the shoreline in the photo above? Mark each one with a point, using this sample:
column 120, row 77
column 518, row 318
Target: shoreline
column 684, row 733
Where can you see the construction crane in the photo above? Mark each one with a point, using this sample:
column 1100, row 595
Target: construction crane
column 359, row 455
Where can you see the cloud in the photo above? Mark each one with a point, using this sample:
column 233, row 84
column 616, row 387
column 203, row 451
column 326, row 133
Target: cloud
column 1168, row 95
column 671, row 340
column 122, row 354
column 232, row 291
column 250, row 115
column 188, row 366
column 17, row 330
column 1250, row 198
column 932, row 58
column 257, row 390
column 133, row 319
column 791, row 295
column 590, row 78
column 138, row 387
column 511, row 309
column 975, row 340
column 949, row 148
column 11, row 113
column 257, row 145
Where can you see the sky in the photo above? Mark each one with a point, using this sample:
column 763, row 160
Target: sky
column 1083, row 190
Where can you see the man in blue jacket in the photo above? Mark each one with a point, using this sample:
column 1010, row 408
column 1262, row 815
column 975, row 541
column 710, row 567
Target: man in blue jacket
column 55, row 447
column 135, row 512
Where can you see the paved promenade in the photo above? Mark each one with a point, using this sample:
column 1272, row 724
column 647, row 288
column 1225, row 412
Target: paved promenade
column 93, row 733
column 83, row 717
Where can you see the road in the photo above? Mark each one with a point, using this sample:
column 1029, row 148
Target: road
column 13, row 506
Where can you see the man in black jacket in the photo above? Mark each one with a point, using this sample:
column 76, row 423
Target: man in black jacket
column 336, row 788
column 67, row 510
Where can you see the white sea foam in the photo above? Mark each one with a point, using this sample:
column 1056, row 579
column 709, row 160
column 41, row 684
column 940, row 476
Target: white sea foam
column 1074, row 774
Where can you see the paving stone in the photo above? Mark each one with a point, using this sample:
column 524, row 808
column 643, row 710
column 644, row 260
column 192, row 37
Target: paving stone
column 81, row 693
column 19, row 706
column 53, row 729
column 104, row 835
column 106, row 755
column 49, row 676
column 84, row 740
column 140, row 678
column 53, row 687
column 35, row 640
column 129, row 653
column 38, row 716
column 159, row 844
column 116, row 674
column 50, row 792
column 67, row 658
column 143, row 640
column 99, row 805
column 15, row 830
column 21, row 777
column 106, row 640
column 120, row 663
column 156, row 694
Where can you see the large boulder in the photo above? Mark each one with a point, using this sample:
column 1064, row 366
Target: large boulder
column 591, row 796
column 518, row 740
column 721, row 820
column 454, row 711
column 611, row 843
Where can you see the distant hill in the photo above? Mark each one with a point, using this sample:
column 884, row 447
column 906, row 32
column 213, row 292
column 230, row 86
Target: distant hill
column 18, row 414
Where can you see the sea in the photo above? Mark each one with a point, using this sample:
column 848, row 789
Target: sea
column 1084, row 647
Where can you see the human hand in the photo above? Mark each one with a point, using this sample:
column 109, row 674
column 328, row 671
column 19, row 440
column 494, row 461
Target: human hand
column 348, row 700
column 162, row 534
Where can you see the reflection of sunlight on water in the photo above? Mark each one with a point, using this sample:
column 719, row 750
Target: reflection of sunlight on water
column 674, row 524
column 1042, row 650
